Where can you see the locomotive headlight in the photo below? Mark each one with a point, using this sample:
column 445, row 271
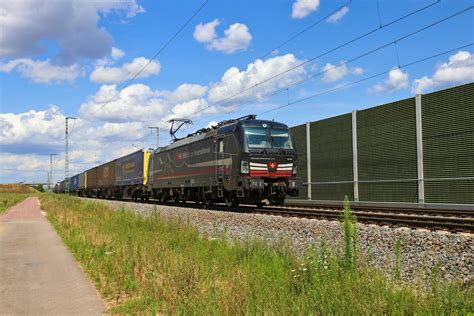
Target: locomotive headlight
column 294, row 169
column 244, row 167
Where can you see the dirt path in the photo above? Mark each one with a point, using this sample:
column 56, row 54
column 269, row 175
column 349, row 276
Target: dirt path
column 38, row 274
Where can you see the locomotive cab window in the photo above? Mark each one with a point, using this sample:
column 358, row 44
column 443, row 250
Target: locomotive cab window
column 257, row 137
column 281, row 138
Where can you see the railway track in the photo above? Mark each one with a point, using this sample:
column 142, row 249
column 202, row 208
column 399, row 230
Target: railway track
column 448, row 220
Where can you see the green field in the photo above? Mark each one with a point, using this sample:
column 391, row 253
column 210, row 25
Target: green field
column 150, row 265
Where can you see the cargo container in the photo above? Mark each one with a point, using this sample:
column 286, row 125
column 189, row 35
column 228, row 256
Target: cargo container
column 106, row 175
column 106, row 179
column 61, row 186
column 82, row 183
column 131, row 174
column 74, row 184
column 90, row 180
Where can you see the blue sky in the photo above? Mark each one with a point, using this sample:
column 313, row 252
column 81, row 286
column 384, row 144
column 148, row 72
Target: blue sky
column 71, row 57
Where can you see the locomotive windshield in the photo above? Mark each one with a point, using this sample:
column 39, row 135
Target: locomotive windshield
column 281, row 138
column 258, row 138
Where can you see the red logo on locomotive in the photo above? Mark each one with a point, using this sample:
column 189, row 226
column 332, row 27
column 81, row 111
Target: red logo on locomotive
column 272, row 166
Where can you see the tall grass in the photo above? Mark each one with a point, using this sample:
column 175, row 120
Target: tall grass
column 152, row 265
column 9, row 199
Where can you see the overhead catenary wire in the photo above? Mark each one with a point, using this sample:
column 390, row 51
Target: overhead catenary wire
column 306, row 29
column 366, row 78
column 345, row 63
column 171, row 39
column 291, row 38
column 318, row 56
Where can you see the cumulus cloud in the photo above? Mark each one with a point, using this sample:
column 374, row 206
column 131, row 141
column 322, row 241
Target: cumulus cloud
column 42, row 71
column 133, row 103
column 117, row 53
column 302, row 8
column 236, row 37
column 139, row 102
column 71, row 24
column 234, row 81
column 33, row 129
column 104, row 74
column 336, row 17
column 459, row 69
column 333, row 73
column 397, row 79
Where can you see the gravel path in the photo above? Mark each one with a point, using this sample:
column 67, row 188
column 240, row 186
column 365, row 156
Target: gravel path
column 421, row 250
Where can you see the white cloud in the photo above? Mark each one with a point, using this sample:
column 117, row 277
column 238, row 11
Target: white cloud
column 302, row 8
column 333, row 73
column 42, row 71
column 139, row 102
column 104, row 74
column 205, row 33
column 397, row 79
column 185, row 92
column 234, row 81
column 236, row 37
column 32, row 128
column 338, row 15
column 117, row 53
column 459, row 69
column 71, row 24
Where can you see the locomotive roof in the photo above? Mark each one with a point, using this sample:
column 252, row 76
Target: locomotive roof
column 205, row 133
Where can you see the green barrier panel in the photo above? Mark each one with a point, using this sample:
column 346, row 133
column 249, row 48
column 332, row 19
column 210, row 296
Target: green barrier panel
column 386, row 137
column 448, row 144
column 331, row 158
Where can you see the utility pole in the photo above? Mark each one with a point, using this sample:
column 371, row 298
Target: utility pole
column 66, row 156
column 50, row 174
column 157, row 135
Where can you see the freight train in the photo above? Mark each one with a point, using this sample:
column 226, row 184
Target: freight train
column 243, row 160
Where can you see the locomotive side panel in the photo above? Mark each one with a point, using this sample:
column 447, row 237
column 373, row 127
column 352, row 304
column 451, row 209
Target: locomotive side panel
column 206, row 162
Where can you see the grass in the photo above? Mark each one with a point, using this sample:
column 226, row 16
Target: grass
column 151, row 265
column 9, row 199
column 16, row 188
column 11, row 194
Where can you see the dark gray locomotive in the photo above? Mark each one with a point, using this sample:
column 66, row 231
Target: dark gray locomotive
column 238, row 161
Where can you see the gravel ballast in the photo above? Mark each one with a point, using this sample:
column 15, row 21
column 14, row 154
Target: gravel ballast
column 421, row 251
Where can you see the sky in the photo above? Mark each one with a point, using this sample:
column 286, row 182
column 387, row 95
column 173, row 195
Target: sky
column 121, row 66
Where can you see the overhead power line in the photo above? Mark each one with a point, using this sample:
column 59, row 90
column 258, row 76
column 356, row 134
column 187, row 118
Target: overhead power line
column 319, row 56
column 345, row 63
column 128, row 82
column 366, row 78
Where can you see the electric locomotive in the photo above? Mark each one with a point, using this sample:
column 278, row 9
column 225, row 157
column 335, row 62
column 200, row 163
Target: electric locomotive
column 243, row 160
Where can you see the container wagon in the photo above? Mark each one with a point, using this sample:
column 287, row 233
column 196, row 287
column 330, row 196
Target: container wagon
column 90, row 180
column 74, row 184
column 131, row 175
column 106, row 180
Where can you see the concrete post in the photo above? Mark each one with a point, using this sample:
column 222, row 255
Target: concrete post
column 354, row 156
column 419, row 150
